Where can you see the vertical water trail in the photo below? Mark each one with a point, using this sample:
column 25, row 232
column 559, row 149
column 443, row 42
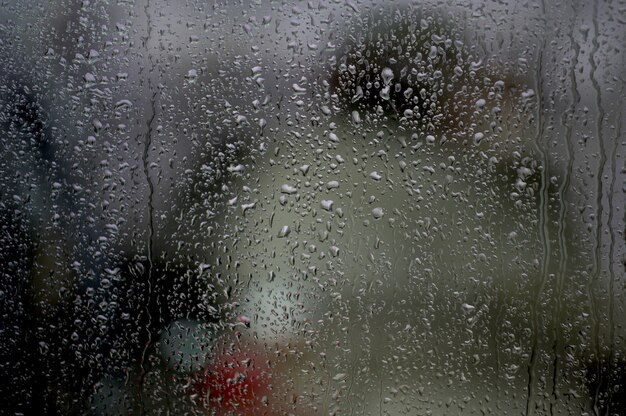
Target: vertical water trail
column 597, row 261
column 611, row 192
column 543, row 225
column 575, row 99
column 146, row 169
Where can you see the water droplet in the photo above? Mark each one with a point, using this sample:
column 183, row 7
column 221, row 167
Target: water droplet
column 377, row 213
column 356, row 117
column 327, row 204
column 332, row 185
column 284, row 231
column 288, row 189
column 376, row 176
column 387, row 75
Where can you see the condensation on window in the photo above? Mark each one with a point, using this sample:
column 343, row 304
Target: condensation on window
column 321, row 207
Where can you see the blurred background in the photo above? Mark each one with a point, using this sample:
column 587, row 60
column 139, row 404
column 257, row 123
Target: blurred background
column 321, row 207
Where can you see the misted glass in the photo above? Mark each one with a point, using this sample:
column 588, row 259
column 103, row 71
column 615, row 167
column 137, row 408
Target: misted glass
column 324, row 207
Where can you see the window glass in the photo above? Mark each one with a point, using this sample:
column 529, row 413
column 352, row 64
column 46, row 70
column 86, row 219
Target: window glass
column 321, row 207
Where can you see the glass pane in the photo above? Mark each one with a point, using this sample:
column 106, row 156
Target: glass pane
column 321, row 207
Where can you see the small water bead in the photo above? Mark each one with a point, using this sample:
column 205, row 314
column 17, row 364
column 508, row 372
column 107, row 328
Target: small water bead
column 387, row 75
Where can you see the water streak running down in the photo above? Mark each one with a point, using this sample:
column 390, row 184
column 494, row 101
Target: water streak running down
column 150, row 207
column 597, row 259
column 543, row 227
column 566, row 120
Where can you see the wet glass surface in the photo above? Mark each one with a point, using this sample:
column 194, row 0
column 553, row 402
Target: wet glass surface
column 303, row 208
